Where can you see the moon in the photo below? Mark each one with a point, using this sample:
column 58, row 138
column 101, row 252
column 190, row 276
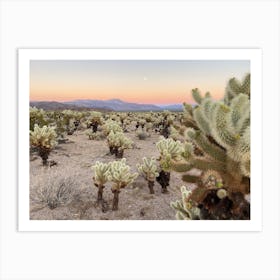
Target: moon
column 145, row 78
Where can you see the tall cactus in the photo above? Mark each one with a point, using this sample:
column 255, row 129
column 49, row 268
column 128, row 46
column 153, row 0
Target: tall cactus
column 149, row 170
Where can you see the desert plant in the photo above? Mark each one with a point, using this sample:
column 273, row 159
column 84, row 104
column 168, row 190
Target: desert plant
column 117, row 143
column 44, row 140
column 170, row 151
column 111, row 126
column 223, row 138
column 185, row 210
column 37, row 116
column 142, row 135
column 54, row 190
column 235, row 87
column 100, row 177
column 98, row 135
column 121, row 176
column 95, row 119
column 149, row 170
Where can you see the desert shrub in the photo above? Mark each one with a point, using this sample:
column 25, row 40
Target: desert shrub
column 54, row 190
column 98, row 135
column 142, row 135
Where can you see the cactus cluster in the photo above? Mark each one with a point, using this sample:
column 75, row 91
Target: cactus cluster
column 44, row 140
column 117, row 172
column 111, row 126
column 117, row 143
column 37, row 116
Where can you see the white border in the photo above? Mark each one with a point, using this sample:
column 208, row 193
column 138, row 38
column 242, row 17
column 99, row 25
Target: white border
column 24, row 57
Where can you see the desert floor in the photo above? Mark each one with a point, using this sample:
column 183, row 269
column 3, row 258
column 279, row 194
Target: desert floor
column 74, row 160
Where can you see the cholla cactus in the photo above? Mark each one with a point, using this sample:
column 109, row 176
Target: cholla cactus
column 174, row 134
column 186, row 210
column 44, row 139
column 111, row 126
column 36, row 116
column 223, row 138
column 121, row 176
column 149, row 170
column 117, row 143
column 95, row 119
column 100, row 177
column 235, row 87
column 170, row 151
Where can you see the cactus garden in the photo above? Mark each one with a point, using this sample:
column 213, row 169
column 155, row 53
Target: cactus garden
column 186, row 164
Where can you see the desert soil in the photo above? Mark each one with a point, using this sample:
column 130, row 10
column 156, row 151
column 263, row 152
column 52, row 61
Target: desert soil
column 75, row 158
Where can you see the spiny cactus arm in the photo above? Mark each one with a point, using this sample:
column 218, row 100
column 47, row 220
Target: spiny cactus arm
column 240, row 110
column 197, row 95
column 246, row 85
column 190, row 178
column 205, row 164
column 188, row 109
column 181, row 167
column 222, row 130
column 235, row 87
column 201, row 121
column 206, row 146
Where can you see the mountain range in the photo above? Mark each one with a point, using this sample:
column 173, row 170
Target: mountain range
column 104, row 105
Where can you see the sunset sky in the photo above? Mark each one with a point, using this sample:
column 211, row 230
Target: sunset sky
column 139, row 81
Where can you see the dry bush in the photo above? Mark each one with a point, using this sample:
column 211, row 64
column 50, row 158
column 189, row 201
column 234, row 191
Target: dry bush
column 53, row 189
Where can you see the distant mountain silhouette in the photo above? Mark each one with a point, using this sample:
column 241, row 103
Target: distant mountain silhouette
column 53, row 105
column 122, row 106
column 103, row 105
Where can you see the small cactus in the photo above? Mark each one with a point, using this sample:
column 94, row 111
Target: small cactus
column 121, row 176
column 117, row 143
column 185, row 209
column 149, row 170
column 100, row 177
column 44, row 139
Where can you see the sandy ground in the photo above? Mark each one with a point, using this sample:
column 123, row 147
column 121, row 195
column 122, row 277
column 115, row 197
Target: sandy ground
column 74, row 160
